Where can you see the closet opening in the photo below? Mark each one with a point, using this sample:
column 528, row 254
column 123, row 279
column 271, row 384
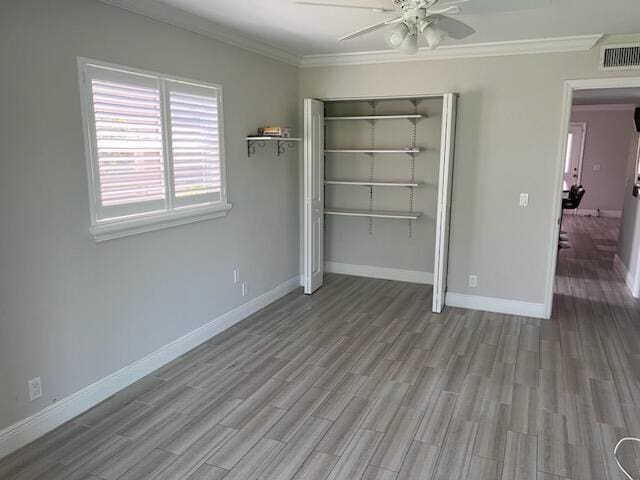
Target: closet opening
column 377, row 189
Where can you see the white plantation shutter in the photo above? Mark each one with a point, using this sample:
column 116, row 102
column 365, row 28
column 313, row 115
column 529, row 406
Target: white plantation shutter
column 129, row 143
column 126, row 125
column 155, row 144
column 195, row 143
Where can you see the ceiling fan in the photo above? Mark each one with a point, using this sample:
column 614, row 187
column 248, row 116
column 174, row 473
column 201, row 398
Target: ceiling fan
column 416, row 18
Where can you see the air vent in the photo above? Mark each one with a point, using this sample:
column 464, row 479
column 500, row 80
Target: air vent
column 620, row 57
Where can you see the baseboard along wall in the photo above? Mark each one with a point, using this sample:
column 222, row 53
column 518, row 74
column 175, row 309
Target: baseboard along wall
column 472, row 302
column 25, row 431
column 586, row 212
column 411, row 276
column 496, row 305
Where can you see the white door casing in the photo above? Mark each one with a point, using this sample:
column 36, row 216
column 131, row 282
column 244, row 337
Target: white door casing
column 445, row 184
column 313, row 195
column 570, row 86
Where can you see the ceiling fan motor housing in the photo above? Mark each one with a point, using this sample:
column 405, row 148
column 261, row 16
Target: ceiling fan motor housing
column 413, row 3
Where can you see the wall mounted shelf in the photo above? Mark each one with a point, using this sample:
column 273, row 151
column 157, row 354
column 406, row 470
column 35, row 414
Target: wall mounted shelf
column 372, row 184
column 404, row 150
column 373, row 213
column 375, row 117
column 281, row 142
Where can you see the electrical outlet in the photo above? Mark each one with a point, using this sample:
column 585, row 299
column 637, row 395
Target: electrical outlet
column 473, row 281
column 597, row 167
column 524, row 199
column 236, row 275
column 244, row 289
column 35, row 389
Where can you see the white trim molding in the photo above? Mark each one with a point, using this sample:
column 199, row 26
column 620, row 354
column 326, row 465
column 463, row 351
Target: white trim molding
column 447, row 52
column 157, row 221
column 194, row 23
column 604, row 108
column 497, row 305
column 633, row 284
column 411, row 276
column 31, row 428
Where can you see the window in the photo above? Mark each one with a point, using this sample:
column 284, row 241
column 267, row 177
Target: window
column 155, row 149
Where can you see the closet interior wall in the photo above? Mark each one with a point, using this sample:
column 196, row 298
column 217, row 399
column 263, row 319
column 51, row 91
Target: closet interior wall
column 388, row 243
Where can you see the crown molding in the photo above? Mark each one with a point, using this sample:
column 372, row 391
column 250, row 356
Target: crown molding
column 447, row 52
column 196, row 24
column 615, row 107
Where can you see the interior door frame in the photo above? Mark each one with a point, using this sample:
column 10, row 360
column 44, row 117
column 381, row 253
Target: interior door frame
column 443, row 210
column 570, row 87
column 582, row 145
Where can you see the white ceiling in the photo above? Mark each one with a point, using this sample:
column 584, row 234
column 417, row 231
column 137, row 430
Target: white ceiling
column 306, row 30
column 607, row 96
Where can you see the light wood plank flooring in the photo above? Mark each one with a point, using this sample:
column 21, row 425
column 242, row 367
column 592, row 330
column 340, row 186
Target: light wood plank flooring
column 361, row 381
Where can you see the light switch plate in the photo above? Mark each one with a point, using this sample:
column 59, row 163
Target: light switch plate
column 524, row 199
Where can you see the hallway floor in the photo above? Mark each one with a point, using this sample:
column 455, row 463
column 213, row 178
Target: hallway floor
column 361, row 381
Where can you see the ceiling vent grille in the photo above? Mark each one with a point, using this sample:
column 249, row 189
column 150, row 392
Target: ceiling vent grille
column 620, row 57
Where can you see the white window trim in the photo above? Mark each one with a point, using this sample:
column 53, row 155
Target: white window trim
column 112, row 228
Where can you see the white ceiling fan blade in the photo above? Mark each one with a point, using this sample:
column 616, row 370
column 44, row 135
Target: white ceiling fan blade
column 448, row 10
column 454, row 28
column 376, row 6
column 453, row 2
column 473, row 7
column 370, row 28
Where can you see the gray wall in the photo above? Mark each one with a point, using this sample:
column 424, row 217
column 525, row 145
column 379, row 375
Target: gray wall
column 347, row 239
column 607, row 145
column 507, row 142
column 73, row 311
column 629, row 240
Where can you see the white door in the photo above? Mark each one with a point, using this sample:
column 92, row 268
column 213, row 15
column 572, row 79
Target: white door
column 445, row 182
column 575, row 151
column 313, row 195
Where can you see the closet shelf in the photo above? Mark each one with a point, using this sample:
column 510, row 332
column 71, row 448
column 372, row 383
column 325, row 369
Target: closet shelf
column 282, row 143
column 372, row 184
column 403, row 150
column 373, row 213
column 375, row 117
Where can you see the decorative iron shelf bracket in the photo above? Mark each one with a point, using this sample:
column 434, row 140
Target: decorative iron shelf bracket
column 281, row 144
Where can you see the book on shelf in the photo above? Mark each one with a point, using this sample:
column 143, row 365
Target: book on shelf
column 281, row 132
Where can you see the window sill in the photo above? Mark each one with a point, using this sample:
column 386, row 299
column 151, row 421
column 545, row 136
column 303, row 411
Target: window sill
column 148, row 223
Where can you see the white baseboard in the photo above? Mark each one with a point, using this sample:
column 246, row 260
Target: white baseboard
column 384, row 273
column 632, row 283
column 586, row 212
column 497, row 305
column 33, row 427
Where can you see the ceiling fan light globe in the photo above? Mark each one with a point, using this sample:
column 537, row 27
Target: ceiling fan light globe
column 396, row 36
column 410, row 44
column 434, row 36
